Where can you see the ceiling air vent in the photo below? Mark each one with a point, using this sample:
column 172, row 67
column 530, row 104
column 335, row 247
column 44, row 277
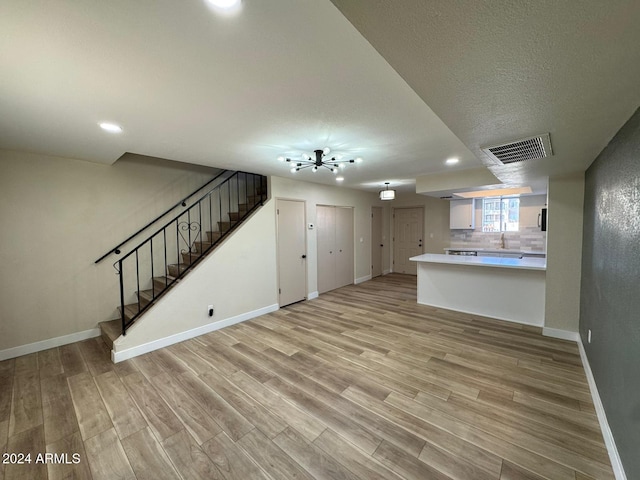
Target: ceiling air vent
column 520, row 150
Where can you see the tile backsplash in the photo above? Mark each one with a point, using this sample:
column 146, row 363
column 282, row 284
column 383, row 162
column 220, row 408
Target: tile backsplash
column 528, row 238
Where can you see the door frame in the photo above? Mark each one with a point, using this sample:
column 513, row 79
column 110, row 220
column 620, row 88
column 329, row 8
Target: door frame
column 393, row 230
column 381, row 208
column 306, row 247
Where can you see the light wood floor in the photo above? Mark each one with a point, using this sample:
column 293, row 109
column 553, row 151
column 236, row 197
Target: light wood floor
column 359, row 383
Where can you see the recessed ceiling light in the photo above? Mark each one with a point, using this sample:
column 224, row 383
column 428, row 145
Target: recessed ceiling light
column 339, row 179
column 225, row 4
column 452, row 161
column 111, row 127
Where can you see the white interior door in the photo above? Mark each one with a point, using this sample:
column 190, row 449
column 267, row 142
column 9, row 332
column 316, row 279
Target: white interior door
column 326, row 237
column 335, row 247
column 407, row 238
column 376, row 241
column 292, row 250
column 344, row 246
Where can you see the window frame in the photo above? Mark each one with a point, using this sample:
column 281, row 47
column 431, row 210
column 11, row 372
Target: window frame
column 504, row 213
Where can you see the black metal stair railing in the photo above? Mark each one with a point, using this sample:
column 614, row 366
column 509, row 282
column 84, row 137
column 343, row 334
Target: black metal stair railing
column 178, row 245
column 182, row 202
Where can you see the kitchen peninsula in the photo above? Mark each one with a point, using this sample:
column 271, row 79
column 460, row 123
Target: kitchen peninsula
column 510, row 289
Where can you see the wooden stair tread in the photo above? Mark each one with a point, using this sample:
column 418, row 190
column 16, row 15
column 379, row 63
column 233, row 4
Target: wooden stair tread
column 213, row 236
column 148, row 295
column 130, row 310
column 202, row 246
column 164, row 282
column 110, row 330
column 224, row 226
column 182, row 266
column 189, row 259
column 192, row 254
column 175, row 269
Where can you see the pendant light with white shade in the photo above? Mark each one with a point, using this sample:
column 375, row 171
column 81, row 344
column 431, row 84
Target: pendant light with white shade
column 387, row 194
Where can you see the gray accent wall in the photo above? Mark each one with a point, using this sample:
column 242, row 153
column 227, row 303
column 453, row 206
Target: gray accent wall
column 610, row 291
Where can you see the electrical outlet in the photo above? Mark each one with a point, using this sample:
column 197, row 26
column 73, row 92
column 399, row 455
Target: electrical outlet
column 210, row 310
column 589, row 336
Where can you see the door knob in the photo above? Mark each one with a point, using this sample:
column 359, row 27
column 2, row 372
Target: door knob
column 304, row 256
column 381, row 245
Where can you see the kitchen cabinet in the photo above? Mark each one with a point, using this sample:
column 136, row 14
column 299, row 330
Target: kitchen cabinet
column 461, row 214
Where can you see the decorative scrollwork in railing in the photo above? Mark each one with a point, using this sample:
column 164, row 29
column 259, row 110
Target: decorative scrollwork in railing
column 188, row 239
column 156, row 261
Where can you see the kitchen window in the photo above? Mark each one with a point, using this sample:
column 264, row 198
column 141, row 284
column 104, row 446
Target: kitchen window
column 500, row 214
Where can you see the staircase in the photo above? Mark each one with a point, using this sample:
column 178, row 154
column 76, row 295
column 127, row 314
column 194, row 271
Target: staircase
column 157, row 264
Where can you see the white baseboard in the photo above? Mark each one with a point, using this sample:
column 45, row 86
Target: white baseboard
column 119, row 356
column 47, row 344
column 561, row 334
column 469, row 312
column 362, row 279
column 312, row 295
column 386, row 272
column 614, row 456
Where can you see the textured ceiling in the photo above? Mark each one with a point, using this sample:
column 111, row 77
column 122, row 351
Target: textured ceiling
column 502, row 70
column 403, row 88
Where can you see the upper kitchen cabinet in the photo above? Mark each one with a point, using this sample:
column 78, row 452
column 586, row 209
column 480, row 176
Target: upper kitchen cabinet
column 462, row 215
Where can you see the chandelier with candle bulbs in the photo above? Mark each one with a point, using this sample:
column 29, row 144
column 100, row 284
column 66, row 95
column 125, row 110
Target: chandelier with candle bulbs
column 334, row 163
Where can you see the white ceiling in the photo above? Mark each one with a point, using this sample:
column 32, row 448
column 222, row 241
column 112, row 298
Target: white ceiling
column 285, row 77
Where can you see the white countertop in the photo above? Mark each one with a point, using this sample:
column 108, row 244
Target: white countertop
column 520, row 263
column 494, row 250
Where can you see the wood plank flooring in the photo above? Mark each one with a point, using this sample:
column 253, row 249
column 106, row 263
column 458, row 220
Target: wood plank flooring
column 361, row 383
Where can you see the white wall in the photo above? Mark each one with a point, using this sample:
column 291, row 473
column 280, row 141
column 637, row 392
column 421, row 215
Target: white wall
column 316, row 194
column 436, row 219
column 58, row 216
column 564, row 252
